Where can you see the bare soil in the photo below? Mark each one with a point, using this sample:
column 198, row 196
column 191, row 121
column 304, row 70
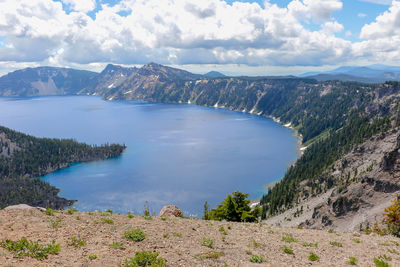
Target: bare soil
column 179, row 241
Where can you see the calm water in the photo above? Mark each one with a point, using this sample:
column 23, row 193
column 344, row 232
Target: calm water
column 176, row 153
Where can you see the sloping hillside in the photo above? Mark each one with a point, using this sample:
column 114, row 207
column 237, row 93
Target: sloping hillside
column 23, row 158
column 97, row 239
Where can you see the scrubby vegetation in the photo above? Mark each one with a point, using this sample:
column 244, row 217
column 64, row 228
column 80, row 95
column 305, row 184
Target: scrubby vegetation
column 24, row 247
column 145, row 258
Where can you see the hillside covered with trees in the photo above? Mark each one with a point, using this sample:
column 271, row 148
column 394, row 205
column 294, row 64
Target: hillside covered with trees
column 23, row 158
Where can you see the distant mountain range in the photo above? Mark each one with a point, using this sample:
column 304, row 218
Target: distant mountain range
column 369, row 74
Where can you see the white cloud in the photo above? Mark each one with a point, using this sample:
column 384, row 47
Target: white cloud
column 380, row 2
column 179, row 32
column 361, row 15
column 385, row 25
column 315, row 9
column 348, row 33
column 81, row 5
column 332, row 27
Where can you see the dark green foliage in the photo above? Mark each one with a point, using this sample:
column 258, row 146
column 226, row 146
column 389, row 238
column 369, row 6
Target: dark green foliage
column 144, row 259
column 29, row 248
column 206, row 212
column 136, row 235
column 24, row 157
column 313, row 257
column 380, row 263
column 234, row 208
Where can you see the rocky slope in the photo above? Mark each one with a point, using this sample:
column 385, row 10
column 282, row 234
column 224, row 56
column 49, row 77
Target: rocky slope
column 368, row 179
column 44, row 81
column 181, row 241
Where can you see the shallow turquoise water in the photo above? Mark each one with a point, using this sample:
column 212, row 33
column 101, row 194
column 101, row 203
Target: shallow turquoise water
column 176, row 153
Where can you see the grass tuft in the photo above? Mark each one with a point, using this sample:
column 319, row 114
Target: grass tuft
column 24, row 247
column 136, row 235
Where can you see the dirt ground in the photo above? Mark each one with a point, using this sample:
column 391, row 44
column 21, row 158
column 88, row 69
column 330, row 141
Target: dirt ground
column 179, row 241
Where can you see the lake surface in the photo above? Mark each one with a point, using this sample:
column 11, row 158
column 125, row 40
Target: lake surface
column 176, row 153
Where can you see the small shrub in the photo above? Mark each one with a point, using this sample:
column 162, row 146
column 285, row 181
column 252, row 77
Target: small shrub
column 163, row 218
column 90, row 213
column 116, row 244
column 385, row 244
column 109, row 211
column 352, row 261
column 207, row 242
column 391, row 218
column 393, row 251
column 105, row 214
column 356, row 240
column 288, row 250
column 24, row 247
column 248, row 252
column 384, row 257
column 288, row 238
column 76, row 242
column 71, row 211
column 336, row 244
column 213, row 254
column 55, row 223
column 380, row 263
column 50, row 212
column 78, row 218
column 257, row 259
column 222, row 230
column 305, row 244
column 356, row 235
column 146, row 217
column 108, row 221
column 331, row 231
column 255, row 244
column 177, row 234
column 93, row 257
column 313, row 257
column 145, row 258
column 136, row 235
column 395, row 243
column 165, row 235
column 130, row 216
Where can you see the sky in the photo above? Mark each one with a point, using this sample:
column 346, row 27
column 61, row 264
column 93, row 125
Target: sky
column 246, row 37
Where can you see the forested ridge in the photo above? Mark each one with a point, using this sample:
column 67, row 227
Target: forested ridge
column 23, row 158
column 332, row 117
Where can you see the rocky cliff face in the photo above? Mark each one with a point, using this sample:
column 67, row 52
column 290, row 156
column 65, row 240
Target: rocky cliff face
column 366, row 179
column 44, row 81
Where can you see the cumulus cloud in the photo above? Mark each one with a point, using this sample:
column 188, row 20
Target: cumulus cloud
column 175, row 32
column 385, row 25
column 81, row 5
column 315, row 9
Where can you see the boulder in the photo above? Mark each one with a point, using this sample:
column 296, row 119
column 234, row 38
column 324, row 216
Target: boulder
column 23, row 207
column 170, row 211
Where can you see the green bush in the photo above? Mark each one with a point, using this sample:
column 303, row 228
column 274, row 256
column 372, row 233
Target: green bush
column 136, row 235
column 352, row 261
column 380, row 263
column 76, row 242
column 145, row 259
column 313, row 257
column 257, row 259
column 207, row 242
column 33, row 249
column 392, row 218
column 288, row 250
column 235, row 208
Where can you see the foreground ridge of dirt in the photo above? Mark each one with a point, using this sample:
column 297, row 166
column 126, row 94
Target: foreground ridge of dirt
column 180, row 240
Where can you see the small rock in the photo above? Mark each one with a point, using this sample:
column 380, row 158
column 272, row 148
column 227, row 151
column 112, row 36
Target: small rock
column 170, row 211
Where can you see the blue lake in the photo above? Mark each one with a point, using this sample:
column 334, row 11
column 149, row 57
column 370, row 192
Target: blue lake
column 176, row 153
